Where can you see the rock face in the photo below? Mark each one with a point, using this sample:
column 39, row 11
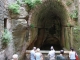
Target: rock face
column 18, row 27
column 2, row 14
column 19, row 32
column 1, row 19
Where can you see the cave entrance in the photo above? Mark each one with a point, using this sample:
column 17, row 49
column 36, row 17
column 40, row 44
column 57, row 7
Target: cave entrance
column 50, row 34
column 48, row 19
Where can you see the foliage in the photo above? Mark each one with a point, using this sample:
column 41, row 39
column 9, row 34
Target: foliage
column 29, row 3
column 31, row 26
column 58, row 0
column 76, row 33
column 19, row 2
column 32, row 3
column 68, row 24
column 6, row 37
column 74, row 14
column 68, row 3
column 14, row 8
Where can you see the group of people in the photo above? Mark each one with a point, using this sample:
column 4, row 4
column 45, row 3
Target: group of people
column 35, row 54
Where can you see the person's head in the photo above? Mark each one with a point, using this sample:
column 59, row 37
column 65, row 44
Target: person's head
column 34, row 48
column 72, row 49
column 15, row 57
column 51, row 48
column 38, row 50
column 61, row 51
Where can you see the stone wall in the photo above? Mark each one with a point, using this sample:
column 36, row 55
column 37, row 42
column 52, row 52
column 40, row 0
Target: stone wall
column 2, row 14
column 1, row 19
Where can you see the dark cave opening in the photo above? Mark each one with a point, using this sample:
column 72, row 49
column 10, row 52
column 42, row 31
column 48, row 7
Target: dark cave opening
column 47, row 46
column 49, row 35
column 51, row 39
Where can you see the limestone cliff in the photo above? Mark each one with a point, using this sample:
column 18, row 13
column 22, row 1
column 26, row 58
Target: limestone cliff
column 33, row 28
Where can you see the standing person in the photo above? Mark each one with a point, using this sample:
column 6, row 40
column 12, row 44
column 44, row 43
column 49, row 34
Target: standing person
column 51, row 54
column 61, row 56
column 38, row 55
column 32, row 53
column 72, row 54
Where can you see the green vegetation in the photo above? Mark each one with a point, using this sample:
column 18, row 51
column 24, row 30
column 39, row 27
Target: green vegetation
column 31, row 26
column 14, row 8
column 19, row 2
column 58, row 0
column 6, row 37
column 68, row 3
column 68, row 24
column 74, row 14
column 76, row 32
column 32, row 3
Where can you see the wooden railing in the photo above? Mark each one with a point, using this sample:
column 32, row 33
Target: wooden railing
column 46, row 52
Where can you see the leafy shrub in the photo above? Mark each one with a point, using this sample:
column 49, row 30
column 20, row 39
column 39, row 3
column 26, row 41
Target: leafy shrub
column 68, row 3
column 31, row 26
column 14, row 8
column 6, row 37
column 76, row 33
column 74, row 14
column 19, row 2
column 32, row 3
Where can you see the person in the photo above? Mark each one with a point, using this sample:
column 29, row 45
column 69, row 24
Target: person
column 38, row 55
column 72, row 54
column 15, row 57
column 32, row 53
column 61, row 56
column 51, row 54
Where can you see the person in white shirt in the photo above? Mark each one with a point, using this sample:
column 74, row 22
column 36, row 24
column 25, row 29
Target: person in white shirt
column 51, row 54
column 32, row 53
column 38, row 55
column 72, row 54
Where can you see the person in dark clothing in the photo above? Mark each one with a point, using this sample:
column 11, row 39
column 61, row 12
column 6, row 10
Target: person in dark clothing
column 61, row 56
